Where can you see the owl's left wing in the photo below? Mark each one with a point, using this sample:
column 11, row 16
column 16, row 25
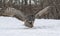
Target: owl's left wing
column 42, row 12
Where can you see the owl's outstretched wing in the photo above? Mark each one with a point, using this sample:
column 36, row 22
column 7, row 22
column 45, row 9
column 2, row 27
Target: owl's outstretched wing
column 12, row 12
column 42, row 12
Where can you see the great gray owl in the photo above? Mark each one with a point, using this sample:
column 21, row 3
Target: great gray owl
column 28, row 18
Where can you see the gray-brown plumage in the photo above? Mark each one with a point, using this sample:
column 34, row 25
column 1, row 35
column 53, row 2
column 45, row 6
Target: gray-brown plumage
column 28, row 17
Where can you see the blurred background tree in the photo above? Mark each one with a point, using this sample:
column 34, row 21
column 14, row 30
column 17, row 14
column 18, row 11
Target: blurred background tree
column 35, row 6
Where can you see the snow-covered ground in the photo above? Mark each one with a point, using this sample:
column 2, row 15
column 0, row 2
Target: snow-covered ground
column 42, row 27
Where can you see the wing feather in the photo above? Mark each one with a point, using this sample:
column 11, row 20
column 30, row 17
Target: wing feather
column 42, row 12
